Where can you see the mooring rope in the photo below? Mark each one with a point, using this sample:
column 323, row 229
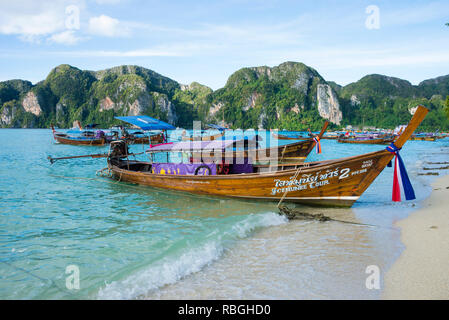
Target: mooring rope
column 293, row 214
column 293, row 178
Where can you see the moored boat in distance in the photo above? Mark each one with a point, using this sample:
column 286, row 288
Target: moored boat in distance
column 80, row 136
column 326, row 136
column 424, row 137
column 370, row 139
column 338, row 182
column 205, row 135
column 83, row 137
column 296, row 152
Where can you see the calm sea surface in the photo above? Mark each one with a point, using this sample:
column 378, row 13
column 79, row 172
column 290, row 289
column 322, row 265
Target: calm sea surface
column 133, row 242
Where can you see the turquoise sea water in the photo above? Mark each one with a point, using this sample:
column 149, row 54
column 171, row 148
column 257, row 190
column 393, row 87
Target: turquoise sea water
column 133, row 242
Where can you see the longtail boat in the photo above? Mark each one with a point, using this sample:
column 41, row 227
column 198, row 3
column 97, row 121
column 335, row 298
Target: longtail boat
column 338, row 182
column 285, row 137
column 290, row 153
column 146, row 123
column 326, row 136
column 423, row 138
column 385, row 139
column 203, row 137
column 84, row 138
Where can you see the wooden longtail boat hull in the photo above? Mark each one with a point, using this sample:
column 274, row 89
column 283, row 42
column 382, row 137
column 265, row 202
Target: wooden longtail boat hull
column 423, row 138
column 139, row 140
column 80, row 142
column 333, row 182
column 155, row 139
column 366, row 141
column 284, row 137
column 204, row 138
column 290, row 153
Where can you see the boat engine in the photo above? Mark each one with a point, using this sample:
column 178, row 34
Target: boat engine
column 118, row 150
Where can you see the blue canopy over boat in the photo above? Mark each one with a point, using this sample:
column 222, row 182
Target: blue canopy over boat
column 147, row 123
column 216, row 126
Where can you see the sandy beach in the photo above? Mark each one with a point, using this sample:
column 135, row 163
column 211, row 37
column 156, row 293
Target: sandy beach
column 422, row 270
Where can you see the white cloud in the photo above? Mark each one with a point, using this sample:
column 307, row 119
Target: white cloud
column 149, row 52
column 66, row 37
column 33, row 20
column 107, row 26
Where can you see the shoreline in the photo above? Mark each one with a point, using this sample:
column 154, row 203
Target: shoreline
column 421, row 271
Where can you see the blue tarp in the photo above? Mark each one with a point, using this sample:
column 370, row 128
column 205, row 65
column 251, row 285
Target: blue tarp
column 147, row 123
column 216, row 126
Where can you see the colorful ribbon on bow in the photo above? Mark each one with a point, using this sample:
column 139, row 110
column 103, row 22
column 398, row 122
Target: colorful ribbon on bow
column 401, row 178
column 317, row 144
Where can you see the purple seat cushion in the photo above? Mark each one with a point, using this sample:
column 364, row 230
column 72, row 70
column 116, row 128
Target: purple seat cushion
column 184, row 168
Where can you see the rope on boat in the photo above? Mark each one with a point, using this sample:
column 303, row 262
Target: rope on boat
column 293, row 178
column 105, row 172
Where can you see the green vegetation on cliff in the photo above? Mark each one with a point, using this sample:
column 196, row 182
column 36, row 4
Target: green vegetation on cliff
column 290, row 96
column 281, row 97
column 385, row 102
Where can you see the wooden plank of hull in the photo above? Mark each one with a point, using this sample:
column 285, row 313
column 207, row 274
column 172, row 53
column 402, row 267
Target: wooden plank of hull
column 90, row 142
column 338, row 182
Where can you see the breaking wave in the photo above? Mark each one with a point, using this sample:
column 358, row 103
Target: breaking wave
column 171, row 269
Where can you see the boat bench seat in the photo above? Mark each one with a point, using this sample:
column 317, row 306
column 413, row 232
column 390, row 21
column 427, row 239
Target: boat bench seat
column 185, row 168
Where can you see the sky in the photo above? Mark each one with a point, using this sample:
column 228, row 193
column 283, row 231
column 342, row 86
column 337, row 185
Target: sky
column 206, row 41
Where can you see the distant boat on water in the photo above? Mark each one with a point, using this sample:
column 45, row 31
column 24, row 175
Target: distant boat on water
column 88, row 137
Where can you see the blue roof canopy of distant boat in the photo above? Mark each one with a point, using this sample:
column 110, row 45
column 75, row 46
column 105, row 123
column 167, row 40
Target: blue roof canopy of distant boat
column 216, row 126
column 147, row 123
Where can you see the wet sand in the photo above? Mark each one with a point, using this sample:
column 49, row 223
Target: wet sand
column 422, row 270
